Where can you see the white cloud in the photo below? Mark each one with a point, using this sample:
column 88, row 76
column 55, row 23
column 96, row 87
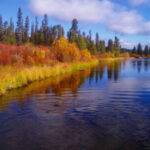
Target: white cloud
column 128, row 44
column 113, row 16
column 138, row 2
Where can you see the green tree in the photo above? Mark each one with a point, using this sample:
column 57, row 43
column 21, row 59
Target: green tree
column 26, row 30
column 81, row 43
column 1, row 28
column 19, row 31
column 102, row 47
column 110, row 46
column 134, row 51
column 146, row 50
column 92, row 47
column 45, row 29
column 117, row 46
column 139, row 49
column 98, row 44
column 32, row 34
column 36, row 30
column 73, row 32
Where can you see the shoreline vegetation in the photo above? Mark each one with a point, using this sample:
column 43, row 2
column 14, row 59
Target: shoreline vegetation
column 22, row 77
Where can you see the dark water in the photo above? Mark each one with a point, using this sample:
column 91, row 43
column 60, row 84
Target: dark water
column 101, row 108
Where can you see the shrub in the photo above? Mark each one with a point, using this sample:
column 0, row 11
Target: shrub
column 65, row 51
column 85, row 55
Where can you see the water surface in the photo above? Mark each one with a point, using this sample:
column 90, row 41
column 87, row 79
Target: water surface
column 102, row 108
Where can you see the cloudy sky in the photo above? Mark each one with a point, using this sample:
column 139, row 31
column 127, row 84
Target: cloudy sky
column 128, row 19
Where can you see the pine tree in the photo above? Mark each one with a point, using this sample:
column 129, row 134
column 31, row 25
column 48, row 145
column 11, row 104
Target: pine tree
column 19, row 31
column 90, row 35
column 92, row 47
column 36, row 30
column 11, row 34
column 75, row 26
column 60, row 31
column 102, row 47
column 134, row 51
column 54, row 33
column 146, row 50
column 32, row 34
column 45, row 29
column 41, row 36
column 1, row 28
column 117, row 46
column 5, row 35
column 73, row 32
column 110, row 46
column 26, row 30
column 81, row 43
column 98, row 43
column 139, row 49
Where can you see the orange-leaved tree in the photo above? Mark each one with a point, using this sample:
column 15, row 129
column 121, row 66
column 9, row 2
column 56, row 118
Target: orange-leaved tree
column 65, row 51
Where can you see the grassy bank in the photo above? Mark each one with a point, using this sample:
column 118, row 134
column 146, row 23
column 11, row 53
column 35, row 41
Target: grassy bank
column 12, row 77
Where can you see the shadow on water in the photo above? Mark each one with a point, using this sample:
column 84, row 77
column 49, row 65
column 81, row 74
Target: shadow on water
column 106, row 107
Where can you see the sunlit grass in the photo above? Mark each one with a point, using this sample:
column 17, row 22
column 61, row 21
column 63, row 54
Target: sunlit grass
column 13, row 77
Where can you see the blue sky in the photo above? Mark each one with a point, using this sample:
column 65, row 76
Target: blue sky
column 128, row 19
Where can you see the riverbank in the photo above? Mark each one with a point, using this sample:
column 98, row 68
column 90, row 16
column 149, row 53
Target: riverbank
column 12, row 77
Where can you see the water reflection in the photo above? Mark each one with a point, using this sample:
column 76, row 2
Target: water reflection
column 141, row 64
column 105, row 107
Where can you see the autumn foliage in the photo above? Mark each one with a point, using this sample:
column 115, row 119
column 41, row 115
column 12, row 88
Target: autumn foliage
column 65, row 51
column 85, row 55
column 61, row 51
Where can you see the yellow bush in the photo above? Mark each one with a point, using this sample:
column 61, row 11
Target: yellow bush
column 65, row 51
column 85, row 55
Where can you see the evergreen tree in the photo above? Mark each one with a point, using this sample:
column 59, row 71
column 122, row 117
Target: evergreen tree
column 139, row 49
column 41, row 36
column 134, row 51
column 26, row 30
column 36, row 30
column 102, row 47
column 110, row 46
column 75, row 26
column 73, row 32
column 1, row 28
column 117, row 46
column 146, row 50
column 90, row 35
column 32, row 34
column 81, row 43
column 5, row 35
column 54, row 33
column 60, row 31
column 19, row 31
column 92, row 47
column 98, row 46
column 45, row 28
column 11, row 34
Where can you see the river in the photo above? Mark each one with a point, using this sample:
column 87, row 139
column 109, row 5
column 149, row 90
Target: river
column 106, row 107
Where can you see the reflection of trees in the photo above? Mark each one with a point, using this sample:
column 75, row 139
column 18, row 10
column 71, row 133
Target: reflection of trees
column 72, row 83
column 146, row 65
column 116, row 70
column 58, row 86
column 113, row 69
column 138, row 64
column 134, row 64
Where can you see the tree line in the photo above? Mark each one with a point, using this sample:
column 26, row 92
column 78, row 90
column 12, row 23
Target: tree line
column 138, row 50
column 46, row 35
